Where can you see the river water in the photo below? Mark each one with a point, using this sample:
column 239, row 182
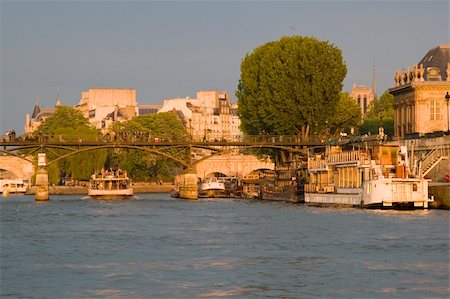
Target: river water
column 159, row 247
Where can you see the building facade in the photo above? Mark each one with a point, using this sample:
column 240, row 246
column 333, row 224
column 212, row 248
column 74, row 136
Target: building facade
column 209, row 117
column 33, row 121
column 420, row 101
column 363, row 95
column 103, row 106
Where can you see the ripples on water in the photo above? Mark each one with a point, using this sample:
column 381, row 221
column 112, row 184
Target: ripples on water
column 159, row 247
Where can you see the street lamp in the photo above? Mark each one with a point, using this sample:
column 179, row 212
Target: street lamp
column 447, row 98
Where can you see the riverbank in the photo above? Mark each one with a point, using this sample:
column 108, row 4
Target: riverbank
column 83, row 190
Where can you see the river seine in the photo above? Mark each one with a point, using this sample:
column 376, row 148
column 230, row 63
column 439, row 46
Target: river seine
column 160, row 247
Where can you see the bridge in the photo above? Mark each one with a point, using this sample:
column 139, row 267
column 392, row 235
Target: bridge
column 193, row 153
column 72, row 146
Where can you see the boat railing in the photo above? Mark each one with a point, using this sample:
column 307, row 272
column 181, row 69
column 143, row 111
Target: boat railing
column 347, row 157
column 317, row 164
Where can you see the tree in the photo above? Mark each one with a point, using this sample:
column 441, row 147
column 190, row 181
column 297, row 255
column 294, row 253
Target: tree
column 380, row 114
column 68, row 124
column 141, row 165
column 383, row 108
column 346, row 116
column 289, row 85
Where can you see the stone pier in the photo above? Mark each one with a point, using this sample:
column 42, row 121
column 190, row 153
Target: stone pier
column 42, row 192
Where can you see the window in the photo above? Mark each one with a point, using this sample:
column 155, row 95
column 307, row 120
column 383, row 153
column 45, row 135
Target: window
column 435, row 110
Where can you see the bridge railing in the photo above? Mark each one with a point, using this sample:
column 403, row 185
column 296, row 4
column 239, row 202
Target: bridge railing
column 147, row 138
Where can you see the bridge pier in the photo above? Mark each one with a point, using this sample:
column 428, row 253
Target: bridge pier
column 41, row 193
column 188, row 185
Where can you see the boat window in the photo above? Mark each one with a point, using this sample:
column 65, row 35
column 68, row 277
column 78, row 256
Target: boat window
column 414, row 187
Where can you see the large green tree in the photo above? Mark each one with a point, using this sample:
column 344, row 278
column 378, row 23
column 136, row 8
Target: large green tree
column 68, row 124
column 147, row 166
column 380, row 114
column 288, row 86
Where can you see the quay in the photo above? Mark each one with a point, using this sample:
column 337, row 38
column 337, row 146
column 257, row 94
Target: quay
column 138, row 187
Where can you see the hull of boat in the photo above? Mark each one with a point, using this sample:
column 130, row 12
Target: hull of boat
column 287, row 196
column 213, row 193
column 111, row 194
column 333, row 199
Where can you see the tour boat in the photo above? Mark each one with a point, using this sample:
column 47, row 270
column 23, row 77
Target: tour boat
column 110, row 184
column 376, row 178
column 13, row 186
column 213, row 187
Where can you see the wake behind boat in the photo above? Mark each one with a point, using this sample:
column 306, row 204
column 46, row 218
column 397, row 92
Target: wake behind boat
column 110, row 184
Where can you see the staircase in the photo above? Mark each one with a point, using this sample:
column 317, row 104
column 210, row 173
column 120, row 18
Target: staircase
column 436, row 155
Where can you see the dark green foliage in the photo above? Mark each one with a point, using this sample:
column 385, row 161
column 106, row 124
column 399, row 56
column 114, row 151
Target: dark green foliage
column 68, row 124
column 380, row 114
column 290, row 85
column 371, row 126
column 149, row 166
column 347, row 115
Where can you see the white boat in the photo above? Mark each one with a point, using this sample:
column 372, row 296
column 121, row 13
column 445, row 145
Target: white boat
column 212, row 187
column 362, row 178
column 13, row 186
column 110, row 185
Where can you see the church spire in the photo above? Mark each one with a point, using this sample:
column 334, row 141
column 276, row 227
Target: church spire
column 58, row 101
column 374, row 81
column 36, row 109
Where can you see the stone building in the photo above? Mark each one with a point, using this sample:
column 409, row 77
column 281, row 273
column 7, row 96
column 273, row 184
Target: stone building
column 33, row 121
column 420, row 101
column 103, row 106
column 363, row 95
column 210, row 117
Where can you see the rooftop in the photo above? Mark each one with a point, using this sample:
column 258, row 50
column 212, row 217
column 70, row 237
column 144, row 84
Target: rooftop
column 438, row 57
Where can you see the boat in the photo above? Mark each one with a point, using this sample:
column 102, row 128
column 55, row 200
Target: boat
column 372, row 178
column 212, row 187
column 110, row 184
column 284, row 186
column 13, row 186
column 253, row 182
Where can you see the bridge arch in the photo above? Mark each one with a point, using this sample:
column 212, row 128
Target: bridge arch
column 231, row 165
column 14, row 167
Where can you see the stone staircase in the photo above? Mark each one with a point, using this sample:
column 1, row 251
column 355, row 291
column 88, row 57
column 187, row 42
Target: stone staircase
column 433, row 157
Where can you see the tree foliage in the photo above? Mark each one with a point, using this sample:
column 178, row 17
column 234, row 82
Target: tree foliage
column 380, row 114
column 68, row 124
column 346, row 116
column 148, row 166
column 382, row 108
column 289, row 85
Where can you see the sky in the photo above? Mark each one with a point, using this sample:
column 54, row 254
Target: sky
column 168, row 49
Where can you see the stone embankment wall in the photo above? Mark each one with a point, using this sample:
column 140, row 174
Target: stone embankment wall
column 441, row 193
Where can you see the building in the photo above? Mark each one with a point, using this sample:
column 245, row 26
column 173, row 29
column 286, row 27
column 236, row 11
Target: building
column 149, row 108
column 209, row 117
column 33, row 121
column 363, row 95
column 103, row 106
column 420, row 101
